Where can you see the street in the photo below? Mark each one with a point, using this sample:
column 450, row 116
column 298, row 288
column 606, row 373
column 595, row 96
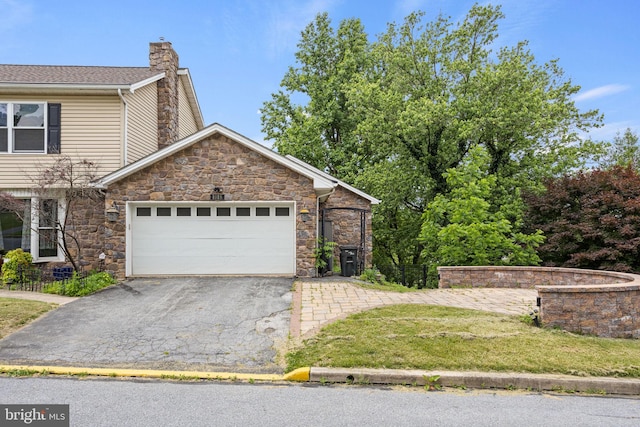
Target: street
column 119, row 402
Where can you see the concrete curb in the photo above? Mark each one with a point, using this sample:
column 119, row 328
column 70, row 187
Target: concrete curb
column 480, row 380
column 477, row 380
column 301, row 374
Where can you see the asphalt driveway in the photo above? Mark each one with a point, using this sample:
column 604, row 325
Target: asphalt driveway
column 186, row 323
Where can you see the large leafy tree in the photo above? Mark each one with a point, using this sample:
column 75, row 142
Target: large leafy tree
column 462, row 228
column 321, row 131
column 591, row 219
column 422, row 96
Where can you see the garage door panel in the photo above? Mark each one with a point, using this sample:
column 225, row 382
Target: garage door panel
column 213, row 245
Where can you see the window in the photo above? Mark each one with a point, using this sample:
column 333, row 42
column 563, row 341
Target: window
column 282, row 211
column 183, row 211
column 33, row 227
column 15, row 230
column 163, row 211
column 262, row 211
column 29, row 127
column 203, row 212
column 47, row 228
column 223, row 211
column 143, row 211
column 243, row 211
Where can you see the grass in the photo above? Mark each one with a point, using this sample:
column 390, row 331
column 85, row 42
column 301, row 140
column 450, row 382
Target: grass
column 15, row 313
column 445, row 338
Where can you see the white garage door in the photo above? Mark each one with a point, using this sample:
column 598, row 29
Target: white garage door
column 224, row 238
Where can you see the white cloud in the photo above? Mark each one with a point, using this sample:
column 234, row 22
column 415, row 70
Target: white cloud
column 600, row 92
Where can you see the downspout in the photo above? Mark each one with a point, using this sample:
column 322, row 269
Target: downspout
column 126, row 129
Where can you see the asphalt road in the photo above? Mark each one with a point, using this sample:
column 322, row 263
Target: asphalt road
column 185, row 323
column 112, row 402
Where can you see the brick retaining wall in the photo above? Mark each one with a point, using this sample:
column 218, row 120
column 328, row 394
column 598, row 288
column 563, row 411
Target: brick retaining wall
column 601, row 303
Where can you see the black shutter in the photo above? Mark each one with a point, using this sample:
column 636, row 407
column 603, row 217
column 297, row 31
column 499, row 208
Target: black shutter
column 53, row 131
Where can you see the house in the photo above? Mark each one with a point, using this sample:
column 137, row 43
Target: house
column 177, row 197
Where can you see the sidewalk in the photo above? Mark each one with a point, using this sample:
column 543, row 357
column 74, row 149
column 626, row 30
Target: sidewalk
column 321, row 301
column 37, row 296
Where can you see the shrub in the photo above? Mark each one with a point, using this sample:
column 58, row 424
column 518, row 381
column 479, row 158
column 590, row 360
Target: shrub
column 78, row 286
column 15, row 260
column 591, row 220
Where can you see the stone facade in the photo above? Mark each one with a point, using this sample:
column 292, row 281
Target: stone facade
column 86, row 223
column 602, row 303
column 346, row 223
column 163, row 58
column 191, row 175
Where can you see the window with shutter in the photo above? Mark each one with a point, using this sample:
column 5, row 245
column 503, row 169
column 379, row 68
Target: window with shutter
column 29, row 127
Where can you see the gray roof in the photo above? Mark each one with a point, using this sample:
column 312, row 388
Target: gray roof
column 81, row 75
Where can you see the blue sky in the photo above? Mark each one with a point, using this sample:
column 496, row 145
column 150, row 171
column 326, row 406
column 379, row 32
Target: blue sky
column 238, row 50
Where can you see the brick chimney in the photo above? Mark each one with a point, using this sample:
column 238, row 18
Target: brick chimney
column 162, row 57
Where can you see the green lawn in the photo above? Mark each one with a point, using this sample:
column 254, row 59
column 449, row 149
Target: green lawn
column 445, row 338
column 15, row 313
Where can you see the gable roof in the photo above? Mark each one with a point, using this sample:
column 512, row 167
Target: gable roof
column 322, row 183
column 32, row 78
column 15, row 75
column 342, row 184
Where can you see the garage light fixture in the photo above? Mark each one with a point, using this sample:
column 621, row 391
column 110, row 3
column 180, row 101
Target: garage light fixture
column 113, row 212
column 304, row 213
column 217, row 194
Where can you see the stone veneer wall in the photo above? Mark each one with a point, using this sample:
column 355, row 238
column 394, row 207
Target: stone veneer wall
column 86, row 222
column 191, row 174
column 601, row 303
column 163, row 58
column 346, row 223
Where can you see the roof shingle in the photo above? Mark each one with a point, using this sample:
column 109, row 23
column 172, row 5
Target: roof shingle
column 81, row 75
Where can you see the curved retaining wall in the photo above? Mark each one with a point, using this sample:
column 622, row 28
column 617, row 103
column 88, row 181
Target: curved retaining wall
column 602, row 303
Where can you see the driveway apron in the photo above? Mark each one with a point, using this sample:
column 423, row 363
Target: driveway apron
column 186, row 323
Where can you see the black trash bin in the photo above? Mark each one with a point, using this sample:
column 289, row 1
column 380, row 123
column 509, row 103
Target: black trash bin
column 349, row 260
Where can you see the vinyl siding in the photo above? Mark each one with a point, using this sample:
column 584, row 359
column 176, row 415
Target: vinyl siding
column 91, row 129
column 186, row 121
column 142, row 123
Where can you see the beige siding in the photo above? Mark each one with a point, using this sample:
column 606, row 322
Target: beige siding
column 186, row 120
column 142, row 122
column 91, row 129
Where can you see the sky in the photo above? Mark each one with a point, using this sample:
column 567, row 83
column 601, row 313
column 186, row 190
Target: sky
column 237, row 51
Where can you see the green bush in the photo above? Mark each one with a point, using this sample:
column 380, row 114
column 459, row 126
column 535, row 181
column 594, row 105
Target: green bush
column 14, row 260
column 78, row 286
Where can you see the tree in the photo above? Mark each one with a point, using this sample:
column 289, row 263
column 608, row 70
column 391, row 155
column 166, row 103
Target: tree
column 623, row 151
column 424, row 95
column 322, row 131
column 70, row 182
column 591, row 219
column 463, row 228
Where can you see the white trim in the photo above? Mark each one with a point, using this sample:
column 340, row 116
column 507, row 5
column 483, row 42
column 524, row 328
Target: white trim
column 320, row 182
column 343, row 184
column 145, row 82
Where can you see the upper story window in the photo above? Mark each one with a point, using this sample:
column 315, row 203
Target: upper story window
column 29, row 127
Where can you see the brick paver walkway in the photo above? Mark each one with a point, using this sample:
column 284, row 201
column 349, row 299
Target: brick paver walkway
column 318, row 302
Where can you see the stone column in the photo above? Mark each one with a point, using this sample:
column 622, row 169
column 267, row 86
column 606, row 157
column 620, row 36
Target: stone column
column 163, row 58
